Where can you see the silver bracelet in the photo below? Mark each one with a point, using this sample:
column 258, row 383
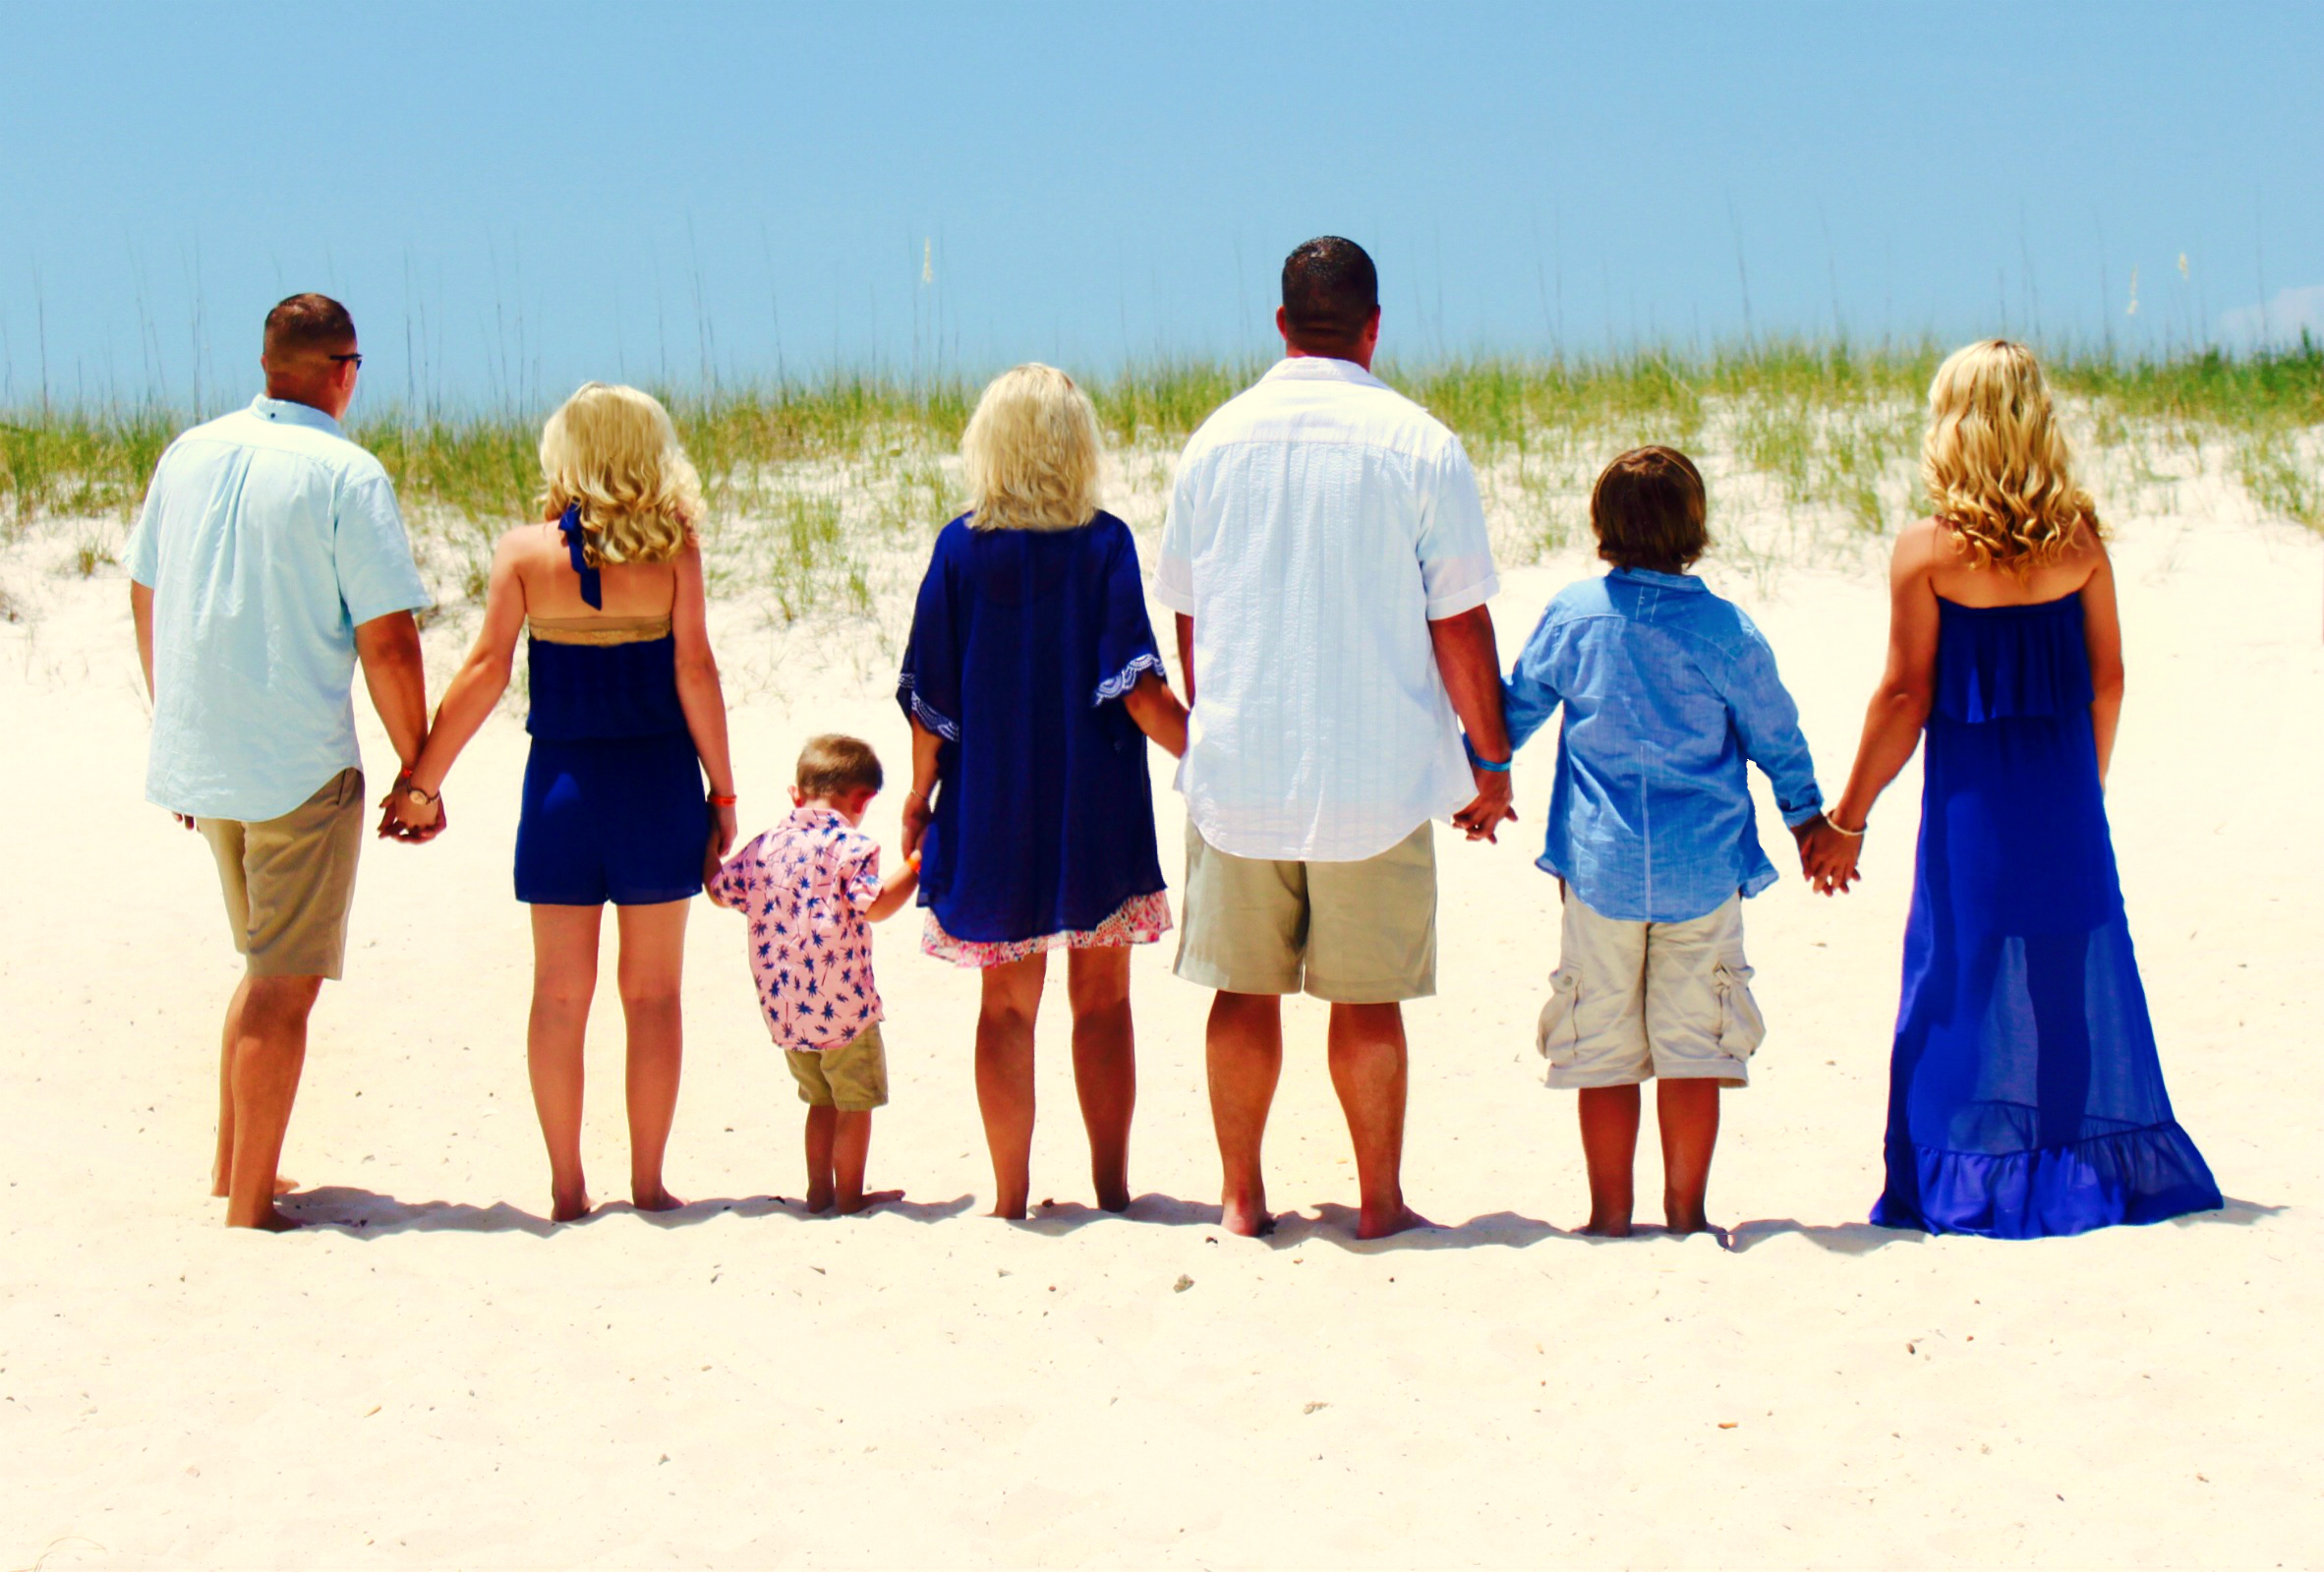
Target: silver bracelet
column 1853, row 835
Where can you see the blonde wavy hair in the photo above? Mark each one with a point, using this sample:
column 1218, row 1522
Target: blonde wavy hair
column 1033, row 452
column 1995, row 462
column 612, row 452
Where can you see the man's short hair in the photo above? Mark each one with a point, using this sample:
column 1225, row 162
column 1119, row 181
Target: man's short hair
column 1330, row 289
column 1648, row 512
column 833, row 766
column 305, row 326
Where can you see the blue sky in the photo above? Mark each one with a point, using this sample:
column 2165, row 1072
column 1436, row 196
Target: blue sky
column 514, row 196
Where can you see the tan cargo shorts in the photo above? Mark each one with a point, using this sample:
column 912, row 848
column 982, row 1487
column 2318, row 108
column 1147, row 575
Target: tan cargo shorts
column 290, row 882
column 1631, row 1001
column 850, row 1076
column 1354, row 933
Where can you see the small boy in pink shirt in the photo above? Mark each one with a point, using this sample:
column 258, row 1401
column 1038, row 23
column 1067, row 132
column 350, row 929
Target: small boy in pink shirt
column 811, row 890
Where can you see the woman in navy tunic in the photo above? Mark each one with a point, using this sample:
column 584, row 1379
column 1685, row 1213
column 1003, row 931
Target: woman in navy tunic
column 2027, row 1092
column 1033, row 681
column 626, row 719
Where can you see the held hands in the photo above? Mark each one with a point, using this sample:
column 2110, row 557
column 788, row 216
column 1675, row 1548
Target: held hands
column 1485, row 816
column 1827, row 857
column 410, row 815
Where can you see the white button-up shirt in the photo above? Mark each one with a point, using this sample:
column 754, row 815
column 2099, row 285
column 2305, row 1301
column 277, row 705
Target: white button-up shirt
column 1319, row 522
column 266, row 537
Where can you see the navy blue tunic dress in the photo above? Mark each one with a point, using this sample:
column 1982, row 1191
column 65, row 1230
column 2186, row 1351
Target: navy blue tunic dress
column 1022, row 644
column 2025, row 1091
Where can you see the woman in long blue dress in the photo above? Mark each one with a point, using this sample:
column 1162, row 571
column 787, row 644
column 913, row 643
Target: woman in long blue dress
column 2025, row 1095
column 1032, row 682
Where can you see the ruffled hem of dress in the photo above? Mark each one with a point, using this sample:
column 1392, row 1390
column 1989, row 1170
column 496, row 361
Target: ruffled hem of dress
column 1139, row 920
column 2133, row 1175
column 928, row 715
column 1124, row 681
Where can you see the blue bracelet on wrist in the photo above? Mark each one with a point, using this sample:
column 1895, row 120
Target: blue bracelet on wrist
column 1485, row 764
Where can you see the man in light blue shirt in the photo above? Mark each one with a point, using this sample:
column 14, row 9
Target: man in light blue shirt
column 1668, row 691
column 270, row 559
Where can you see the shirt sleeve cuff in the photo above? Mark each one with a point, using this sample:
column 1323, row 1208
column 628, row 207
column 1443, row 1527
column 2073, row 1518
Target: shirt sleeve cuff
column 1793, row 818
column 1452, row 603
column 1174, row 585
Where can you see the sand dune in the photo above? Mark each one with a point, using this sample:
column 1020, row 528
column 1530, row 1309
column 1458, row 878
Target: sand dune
column 431, row 1377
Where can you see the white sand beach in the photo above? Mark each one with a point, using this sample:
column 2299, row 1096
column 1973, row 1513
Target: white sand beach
column 430, row 1375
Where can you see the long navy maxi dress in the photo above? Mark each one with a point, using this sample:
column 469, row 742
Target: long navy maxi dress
column 2025, row 1093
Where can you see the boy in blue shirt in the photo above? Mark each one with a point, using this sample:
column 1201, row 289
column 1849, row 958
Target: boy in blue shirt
column 1668, row 691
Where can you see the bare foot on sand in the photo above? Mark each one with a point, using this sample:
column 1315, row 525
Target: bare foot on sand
column 276, row 1221
column 1247, row 1216
column 655, row 1200
column 1606, row 1228
column 1009, row 1214
column 1680, row 1227
column 869, row 1199
column 1402, row 1218
column 568, row 1208
column 1114, row 1200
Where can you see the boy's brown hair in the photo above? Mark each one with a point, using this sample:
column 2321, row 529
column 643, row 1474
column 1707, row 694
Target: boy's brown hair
column 1648, row 510
column 833, row 766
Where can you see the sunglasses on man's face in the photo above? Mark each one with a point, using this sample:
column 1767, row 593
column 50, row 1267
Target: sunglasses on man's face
column 357, row 359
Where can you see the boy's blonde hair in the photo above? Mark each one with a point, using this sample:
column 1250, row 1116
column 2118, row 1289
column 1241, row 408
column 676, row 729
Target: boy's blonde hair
column 1033, row 452
column 833, row 765
column 1995, row 462
column 613, row 453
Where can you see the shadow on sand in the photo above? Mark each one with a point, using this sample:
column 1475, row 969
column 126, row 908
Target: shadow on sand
column 1862, row 1239
column 1057, row 1218
column 367, row 1214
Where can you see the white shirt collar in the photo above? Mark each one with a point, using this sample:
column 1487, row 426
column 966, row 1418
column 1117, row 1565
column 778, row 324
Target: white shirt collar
column 1321, row 369
column 289, row 413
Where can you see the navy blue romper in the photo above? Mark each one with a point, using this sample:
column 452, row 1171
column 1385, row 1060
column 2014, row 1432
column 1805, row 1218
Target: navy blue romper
column 614, row 808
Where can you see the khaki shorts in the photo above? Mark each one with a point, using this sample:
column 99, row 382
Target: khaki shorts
column 850, row 1076
column 1634, row 1000
column 289, row 882
column 1355, row 933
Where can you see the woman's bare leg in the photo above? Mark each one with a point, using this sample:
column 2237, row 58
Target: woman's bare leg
column 651, row 968
column 1105, row 1064
column 564, row 978
column 1005, row 1077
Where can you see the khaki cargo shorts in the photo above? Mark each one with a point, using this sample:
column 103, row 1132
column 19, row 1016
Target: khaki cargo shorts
column 1354, row 933
column 851, row 1075
column 1631, row 1001
column 289, row 882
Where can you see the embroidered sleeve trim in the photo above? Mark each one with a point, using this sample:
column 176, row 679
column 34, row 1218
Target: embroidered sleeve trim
column 1124, row 681
column 926, row 714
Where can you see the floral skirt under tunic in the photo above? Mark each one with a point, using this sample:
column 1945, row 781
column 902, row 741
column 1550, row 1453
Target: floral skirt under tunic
column 1139, row 920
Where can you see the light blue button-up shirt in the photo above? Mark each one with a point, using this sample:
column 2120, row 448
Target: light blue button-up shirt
column 1667, row 690
column 266, row 537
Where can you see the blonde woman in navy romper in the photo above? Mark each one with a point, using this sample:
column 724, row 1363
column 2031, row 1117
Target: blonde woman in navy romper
column 627, row 718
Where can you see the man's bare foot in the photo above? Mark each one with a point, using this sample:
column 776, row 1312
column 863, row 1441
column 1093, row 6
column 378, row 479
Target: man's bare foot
column 1606, row 1228
column 1247, row 1217
column 1367, row 1226
column 868, row 1199
column 276, row 1221
column 568, row 1208
column 655, row 1200
column 1114, row 1200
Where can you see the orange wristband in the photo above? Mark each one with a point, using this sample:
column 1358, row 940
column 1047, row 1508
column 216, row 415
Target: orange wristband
column 717, row 801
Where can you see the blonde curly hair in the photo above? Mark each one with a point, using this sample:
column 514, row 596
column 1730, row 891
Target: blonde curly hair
column 612, row 452
column 1995, row 462
column 1033, row 452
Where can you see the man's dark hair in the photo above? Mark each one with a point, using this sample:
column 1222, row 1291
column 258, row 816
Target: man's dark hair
column 832, row 766
column 305, row 326
column 1330, row 289
column 1648, row 510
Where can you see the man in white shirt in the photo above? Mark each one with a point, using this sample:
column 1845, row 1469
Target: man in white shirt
column 1327, row 557
column 270, row 560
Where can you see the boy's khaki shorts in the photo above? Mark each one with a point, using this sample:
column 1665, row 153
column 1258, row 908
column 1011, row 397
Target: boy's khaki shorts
column 290, row 882
column 1355, row 933
column 1630, row 1001
column 851, row 1075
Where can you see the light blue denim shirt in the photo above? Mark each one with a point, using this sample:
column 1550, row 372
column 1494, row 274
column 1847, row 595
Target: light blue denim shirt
column 1667, row 690
column 266, row 537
